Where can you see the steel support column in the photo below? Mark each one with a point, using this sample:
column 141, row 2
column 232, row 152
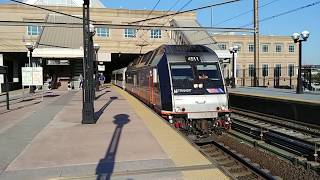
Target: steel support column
column 256, row 44
column 299, row 80
column 233, row 81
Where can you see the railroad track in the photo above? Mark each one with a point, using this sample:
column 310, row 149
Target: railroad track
column 299, row 142
column 266, row 160
column 291, row 124
column 233, row 167
column 243, row 161
column 234, row 164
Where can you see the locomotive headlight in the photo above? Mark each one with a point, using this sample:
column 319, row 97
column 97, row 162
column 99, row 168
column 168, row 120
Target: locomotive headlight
column 196, row 86
column 200, row 85
column 178, row 109
column 223, row 108
column 170, row 119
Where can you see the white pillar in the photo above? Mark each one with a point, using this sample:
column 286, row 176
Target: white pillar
column 1, row 75
column 235, row 68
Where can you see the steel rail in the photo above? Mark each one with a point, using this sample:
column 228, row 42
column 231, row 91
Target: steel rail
column 292, row 124
column 297, row 142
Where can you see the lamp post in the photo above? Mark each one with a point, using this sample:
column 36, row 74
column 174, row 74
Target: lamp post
column 298, row 38
column 30, row 48
column 96, row 48
column 233, row 50
column 88, row 53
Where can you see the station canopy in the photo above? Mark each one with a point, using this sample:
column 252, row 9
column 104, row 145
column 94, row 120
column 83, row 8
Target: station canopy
column 60, row 42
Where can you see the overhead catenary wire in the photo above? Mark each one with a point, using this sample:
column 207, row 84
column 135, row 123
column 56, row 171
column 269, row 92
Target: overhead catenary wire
column 179, row 10
column 154, row 7
column 116, row 26
column 186, row 11
column 284, row 13
column 275, row 16
column 244, row 13
column 165, row 13
column 46, row 9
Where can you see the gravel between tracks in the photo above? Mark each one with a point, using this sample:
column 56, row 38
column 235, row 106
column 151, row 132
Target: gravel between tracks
column 277, row 166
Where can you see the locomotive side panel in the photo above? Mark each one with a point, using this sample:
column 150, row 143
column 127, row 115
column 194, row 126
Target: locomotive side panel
column 165, row 86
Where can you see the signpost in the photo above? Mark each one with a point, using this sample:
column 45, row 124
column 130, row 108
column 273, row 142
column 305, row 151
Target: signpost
column 32, row 76
column 4, row 70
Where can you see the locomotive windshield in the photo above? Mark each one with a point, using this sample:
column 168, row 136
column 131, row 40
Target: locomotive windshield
column 208, row 71
column 182, row 76
column 197, row 78
column 181, row 72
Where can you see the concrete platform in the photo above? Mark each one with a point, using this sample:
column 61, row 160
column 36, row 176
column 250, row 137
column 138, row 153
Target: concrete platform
column 285, row 94
column 128, row 142
column 280, row 103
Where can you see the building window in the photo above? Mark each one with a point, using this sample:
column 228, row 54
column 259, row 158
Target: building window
column 265, row 48
column 34, row 30
column 129, row 32
column 277, row 70
column 291, row 48
column 238, row 71
column 278, row 48
column 251, row 48
column 291, row 70
column 223, row 46
column 155, row 33
column 251, row 70
column 265, row 70
column 102, row 32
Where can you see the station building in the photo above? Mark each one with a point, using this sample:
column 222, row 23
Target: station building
column 58, row 49
column 278, row 59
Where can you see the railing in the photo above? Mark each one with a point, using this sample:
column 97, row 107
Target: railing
column 277, row 77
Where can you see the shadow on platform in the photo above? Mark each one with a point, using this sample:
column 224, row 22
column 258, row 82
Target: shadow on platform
column 105, row 167
column 19, row 107
column 97, row 97
column 101, row 110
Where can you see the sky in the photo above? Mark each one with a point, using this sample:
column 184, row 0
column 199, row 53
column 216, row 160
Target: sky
column 305, row 19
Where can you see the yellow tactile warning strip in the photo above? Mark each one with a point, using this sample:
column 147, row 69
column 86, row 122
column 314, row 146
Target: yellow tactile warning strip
column 177, row 148
column 282, row 98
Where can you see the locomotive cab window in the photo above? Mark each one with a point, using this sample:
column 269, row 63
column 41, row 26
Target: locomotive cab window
column 182, row 76
column 210, row 71
column 181, row 72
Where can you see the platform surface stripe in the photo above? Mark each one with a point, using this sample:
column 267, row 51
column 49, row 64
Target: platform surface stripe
column 178, row 149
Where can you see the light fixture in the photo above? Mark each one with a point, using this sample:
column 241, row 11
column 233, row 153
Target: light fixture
column 29, row 46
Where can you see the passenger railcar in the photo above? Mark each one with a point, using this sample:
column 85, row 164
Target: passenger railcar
column 118, row 77
column 183, row 83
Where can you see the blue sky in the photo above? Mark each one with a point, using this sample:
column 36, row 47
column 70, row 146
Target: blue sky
column 305, row 19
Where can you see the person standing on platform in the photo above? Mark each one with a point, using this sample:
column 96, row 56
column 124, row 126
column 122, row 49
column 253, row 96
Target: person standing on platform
column 81, row 81
column 102, row 78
